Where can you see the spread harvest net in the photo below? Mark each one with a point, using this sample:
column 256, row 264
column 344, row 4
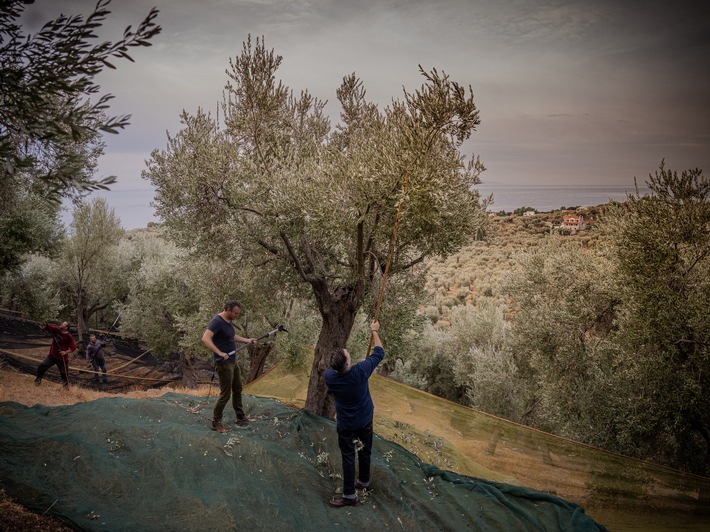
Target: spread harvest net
column 152, row 464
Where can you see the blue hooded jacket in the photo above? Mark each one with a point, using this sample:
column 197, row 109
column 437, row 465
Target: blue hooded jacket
column 353, row 405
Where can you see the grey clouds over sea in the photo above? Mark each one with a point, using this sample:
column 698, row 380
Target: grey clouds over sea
column 551, row 197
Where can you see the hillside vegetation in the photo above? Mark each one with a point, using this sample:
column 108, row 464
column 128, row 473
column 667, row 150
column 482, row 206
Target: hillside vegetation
column 601, row 336
column 480, row 268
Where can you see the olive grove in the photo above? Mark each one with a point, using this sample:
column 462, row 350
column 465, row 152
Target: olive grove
column 311, row 208
column 605, row 341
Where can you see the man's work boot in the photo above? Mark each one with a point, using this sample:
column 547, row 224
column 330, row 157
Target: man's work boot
column 342, row 501
column 362, row 487
column 217, row 425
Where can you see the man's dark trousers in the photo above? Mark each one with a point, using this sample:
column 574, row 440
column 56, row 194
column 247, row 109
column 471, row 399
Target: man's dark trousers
column 346, row 442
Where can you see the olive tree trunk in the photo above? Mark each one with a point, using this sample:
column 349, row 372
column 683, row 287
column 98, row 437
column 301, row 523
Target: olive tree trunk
column 257, row 360
column 338, row 311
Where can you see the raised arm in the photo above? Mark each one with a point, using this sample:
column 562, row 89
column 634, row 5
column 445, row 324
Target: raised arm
column 375, row 327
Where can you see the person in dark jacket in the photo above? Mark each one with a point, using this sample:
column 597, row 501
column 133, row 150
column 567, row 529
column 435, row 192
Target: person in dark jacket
column 63, row 345
column 354, row 411
column 95, row 357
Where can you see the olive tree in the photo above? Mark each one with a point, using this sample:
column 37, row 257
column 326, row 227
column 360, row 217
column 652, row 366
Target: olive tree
column 311, row 206
column 46, row 80
column 173, row 295
column 484, row 364
column 31, row 289
column 564, row 339
column 157, row 292
column 29, row 225
column 662, row 263
column 89, row 269
column 162, row 297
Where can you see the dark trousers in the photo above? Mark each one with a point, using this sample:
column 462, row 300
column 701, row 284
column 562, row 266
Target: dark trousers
column 347, row 442
column 230, row 383
column 96, row 365
column 48, row 363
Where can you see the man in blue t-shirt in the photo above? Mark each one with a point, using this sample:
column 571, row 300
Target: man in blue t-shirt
column 353, row 412
column 221, row 339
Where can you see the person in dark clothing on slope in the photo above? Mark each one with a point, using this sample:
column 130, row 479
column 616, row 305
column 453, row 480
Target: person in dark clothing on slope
column 63, row 345
column 354, row 410
column 95, row 357
column 221, row 339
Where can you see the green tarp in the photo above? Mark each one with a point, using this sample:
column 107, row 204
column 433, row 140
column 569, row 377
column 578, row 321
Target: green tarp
column 153, row 464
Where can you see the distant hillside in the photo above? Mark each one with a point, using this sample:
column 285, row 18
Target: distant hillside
column 479, row 269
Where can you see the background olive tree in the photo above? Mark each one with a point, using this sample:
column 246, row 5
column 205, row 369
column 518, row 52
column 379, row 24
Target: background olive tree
column 32, row 290
column 564, row 339
column 484, row 364
column 90, row 271
column 172, row 295
column 311, row 207
column 28, row 224
column 157, row 291
column 661, row 246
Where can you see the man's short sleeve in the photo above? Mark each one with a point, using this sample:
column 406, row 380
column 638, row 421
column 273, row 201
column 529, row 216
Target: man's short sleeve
column 214, row 325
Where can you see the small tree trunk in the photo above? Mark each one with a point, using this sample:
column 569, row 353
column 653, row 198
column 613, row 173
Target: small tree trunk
column 81, row 326
column 257, row 359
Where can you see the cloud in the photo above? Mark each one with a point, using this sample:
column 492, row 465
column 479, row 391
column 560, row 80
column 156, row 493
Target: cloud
column 614, row 86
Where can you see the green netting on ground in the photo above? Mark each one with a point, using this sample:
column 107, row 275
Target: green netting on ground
column 152, row 464
column 621, row 493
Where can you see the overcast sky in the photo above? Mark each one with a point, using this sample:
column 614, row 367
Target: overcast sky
column 576, row 92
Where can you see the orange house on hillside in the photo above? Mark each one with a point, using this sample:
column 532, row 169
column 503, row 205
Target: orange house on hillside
column 574, row 222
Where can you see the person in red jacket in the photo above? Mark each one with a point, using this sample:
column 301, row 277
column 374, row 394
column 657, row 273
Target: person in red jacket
column 63, row 345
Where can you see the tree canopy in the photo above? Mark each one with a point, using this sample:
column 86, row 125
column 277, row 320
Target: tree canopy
column 662, row 243
column 314, row 206
column 46, row 82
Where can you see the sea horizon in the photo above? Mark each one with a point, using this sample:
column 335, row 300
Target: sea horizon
column 546, row 198
column 133, row 207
